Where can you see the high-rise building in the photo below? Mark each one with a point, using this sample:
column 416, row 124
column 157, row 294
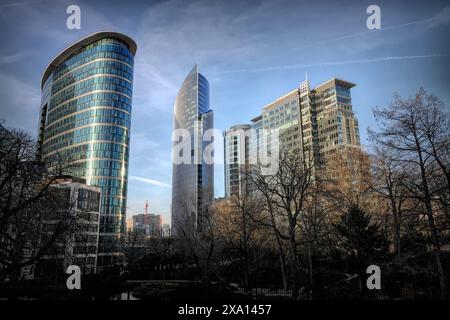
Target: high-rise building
column 335, row 131
column 192, row 180
column 237, row 152
column 320, row 125
column 85, row 118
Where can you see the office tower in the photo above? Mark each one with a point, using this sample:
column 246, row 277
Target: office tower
column 192, row 180
column 320, row 124
column 289, row 114
column 78, row 246
column 237, row 153
column 337, row 145
column 85, row 118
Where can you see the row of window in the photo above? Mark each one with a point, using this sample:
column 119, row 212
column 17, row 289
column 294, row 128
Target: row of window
column 93, row 129
column 79, row 87
column 101, row 172
column 110, row 224
column 94, row 84
column 88, row 200
column 103, row 164
column 344, row 92
column 97, row 67
column 94, row 96
column 88, row 53
column 86, row 238
column 112, row 201
column 117, row 134
column 106, row 183
column 62, row 127
column 89, row 101
column 99, row 115
column 108, row 191
column 95, row 150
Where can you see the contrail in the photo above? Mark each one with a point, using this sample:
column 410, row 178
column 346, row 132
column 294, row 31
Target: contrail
column 151, row 181
column 436, row 17
column 336, row 63
column 349, row 36
column 15, row 4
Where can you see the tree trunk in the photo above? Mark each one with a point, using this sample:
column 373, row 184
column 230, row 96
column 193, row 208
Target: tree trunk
column 311, row 277
column 283, row 271
column 432, row 225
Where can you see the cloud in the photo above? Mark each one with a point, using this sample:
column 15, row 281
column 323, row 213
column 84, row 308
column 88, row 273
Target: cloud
column 15, row 57
column 15, row 4
column 335, row 63
column 442, row 18
column 22, row 99
column 175, row 35
column 151, row 181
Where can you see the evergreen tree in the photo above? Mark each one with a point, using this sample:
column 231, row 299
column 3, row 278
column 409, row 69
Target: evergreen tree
column 361, row 240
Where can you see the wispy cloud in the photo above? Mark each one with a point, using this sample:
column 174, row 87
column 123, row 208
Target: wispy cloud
column 151, row 181
column 335, row 63
column 441, row 17
column 174, row 35
column 19, row 3
column 15, row 57
column 21, row 99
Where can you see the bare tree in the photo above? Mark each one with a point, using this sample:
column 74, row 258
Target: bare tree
column 132, row 247
column 27, row 203
column 388, row 183
column 197, row 237
column 285, row 195
column 408, row 128
column 237, row 226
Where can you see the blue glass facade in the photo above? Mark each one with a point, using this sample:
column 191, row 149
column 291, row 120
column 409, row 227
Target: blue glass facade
column 85, row 118
column 192, row 183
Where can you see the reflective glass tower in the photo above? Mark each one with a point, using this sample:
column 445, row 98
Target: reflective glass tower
column 193, row 182
column 85, row 118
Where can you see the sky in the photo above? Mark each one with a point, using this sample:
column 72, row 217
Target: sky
column 252, row 52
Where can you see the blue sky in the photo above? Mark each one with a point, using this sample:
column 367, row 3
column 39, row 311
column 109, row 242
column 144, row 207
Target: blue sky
column 251, row 52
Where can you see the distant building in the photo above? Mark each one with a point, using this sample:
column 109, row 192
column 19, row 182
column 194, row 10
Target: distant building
column 80, row 204
column 130, row 224
column 148, row 225
column 165, row 230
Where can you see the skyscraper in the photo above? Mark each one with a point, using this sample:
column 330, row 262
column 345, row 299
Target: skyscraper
column 320, row 125
column 192, row 180
column 237, row 152
column 85, row 118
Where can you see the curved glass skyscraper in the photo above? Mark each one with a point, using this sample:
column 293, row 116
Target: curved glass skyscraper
column 85, row 118
column 192, row 182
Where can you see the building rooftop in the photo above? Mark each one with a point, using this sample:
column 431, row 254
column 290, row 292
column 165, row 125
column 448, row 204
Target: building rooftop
column 239, row 126
column 334, row 81
column 257, row 118
column 69, row 51
column 325, row 85
column 271, row 105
